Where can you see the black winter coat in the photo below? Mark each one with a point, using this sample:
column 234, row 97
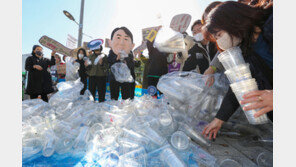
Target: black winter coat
column 82, row 69
column 259, row 70
column 39, row 81
column 158, row 64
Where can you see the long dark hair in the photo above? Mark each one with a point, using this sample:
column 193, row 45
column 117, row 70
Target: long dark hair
column 208, row 10
column 83, row 50
column 238, row 20
column 207, row 35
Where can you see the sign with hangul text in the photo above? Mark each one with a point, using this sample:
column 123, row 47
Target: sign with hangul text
column 55, row 45
column 180, row 22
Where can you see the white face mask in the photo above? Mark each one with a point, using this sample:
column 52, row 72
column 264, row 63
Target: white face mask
column 80, row 56
column 198, row 37
column 225, row 41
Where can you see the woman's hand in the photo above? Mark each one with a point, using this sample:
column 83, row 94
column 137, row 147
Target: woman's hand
column 210, row 80
column 259, row 99
column 212, row 128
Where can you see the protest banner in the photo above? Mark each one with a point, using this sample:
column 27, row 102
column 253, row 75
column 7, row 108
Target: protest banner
column 180, row 22
column 55, row 45
column 151, row 36
column 146, row 31
column 71, row 42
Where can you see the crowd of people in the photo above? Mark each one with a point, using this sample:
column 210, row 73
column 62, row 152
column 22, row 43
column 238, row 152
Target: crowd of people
column 245, row 23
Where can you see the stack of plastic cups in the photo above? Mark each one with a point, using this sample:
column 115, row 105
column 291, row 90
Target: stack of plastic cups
column 239, row 75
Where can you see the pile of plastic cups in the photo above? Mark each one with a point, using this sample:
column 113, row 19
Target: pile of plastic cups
column 239, row 75
column 139, row 132
column 187, row 92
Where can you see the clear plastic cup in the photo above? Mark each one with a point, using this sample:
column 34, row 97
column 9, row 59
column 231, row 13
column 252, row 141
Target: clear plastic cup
column 31, row 146
column 95, row 128
column 180, row 140
column 169, row 157
column 201, row 156
column 241, row 88
column 135, row 153
column 82, row 139
column 49, row 143
column 231, row 57
column 169, row 88
column 229, row 163
column 64, row 145
column 244, row 86
column 190, row 132
column 110, row 159
column 239, row 73
column 265, row 159
column 153, row 136
column 106, row 137
column 165, row 119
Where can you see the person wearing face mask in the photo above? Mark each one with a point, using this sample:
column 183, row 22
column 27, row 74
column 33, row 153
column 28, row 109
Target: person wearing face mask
column 39, row 78
column 81, row 53
column 201, row 54
column 54, row 71
column 97, row 68
column 121, row 46
column 250, row 28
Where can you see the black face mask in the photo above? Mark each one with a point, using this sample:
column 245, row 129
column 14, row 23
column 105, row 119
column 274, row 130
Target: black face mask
column 39, row 53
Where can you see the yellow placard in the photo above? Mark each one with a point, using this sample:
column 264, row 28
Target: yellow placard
column 151, row 36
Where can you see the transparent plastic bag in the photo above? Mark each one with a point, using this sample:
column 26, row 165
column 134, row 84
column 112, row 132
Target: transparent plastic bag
column 170, row 41
column 122, row 73
column 72, row 68
column 187, row 92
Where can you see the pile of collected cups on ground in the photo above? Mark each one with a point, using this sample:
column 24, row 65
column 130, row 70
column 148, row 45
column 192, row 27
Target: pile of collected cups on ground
column 139, row 132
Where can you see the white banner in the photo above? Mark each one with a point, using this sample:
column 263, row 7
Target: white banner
column 55, row 45
column 71, row 42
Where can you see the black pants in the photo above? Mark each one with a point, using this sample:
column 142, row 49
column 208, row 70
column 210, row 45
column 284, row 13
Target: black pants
column 152, row 81
column 125, row 90
column 98, row 83
column 43, row 97
column 84, row 81
column 132, row 89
